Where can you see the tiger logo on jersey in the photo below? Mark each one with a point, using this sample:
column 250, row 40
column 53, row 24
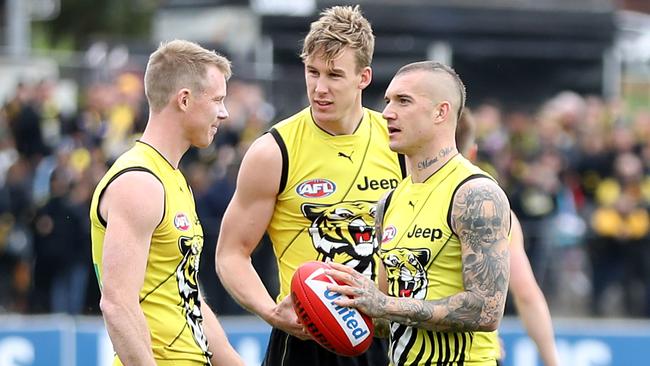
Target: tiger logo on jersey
column 405, row 269
column 188, row 289
column 344, row 232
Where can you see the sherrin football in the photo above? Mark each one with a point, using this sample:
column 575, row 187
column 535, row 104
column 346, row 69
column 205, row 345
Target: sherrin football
column 342, row 330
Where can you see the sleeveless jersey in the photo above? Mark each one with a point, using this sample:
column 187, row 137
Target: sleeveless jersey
column 170, row 295
column 422, row 257
column 329, row 187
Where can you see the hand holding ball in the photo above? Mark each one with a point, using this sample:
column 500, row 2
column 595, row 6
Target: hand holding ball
column 342, row 330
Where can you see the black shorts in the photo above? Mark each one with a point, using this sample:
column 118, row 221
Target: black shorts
column 286, row 350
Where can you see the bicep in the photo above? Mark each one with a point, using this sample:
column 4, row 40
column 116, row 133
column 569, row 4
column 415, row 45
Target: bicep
column 131, row 221
column 253, row 203
column 481, row 219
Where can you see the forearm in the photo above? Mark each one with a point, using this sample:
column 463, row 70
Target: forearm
column 129, row 333
column 222, row 351
column 241, row 280
column 462, row 312
column 536, row 318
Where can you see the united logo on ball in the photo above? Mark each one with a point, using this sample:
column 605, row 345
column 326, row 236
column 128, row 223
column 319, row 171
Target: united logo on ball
column 342, row 330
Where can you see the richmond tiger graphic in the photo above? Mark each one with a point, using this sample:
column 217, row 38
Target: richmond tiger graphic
column 406, row 272
column 188, row 289
column 344, row 232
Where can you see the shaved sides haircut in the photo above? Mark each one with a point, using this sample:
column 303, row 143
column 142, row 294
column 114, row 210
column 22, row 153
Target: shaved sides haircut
column 438, row 68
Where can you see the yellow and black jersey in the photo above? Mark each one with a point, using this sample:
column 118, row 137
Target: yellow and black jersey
column 170, row 294
column 422, row 257
column 329, row 187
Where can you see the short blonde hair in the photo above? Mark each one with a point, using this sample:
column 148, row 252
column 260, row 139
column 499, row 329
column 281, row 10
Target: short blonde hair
column 337, row 28
column 179, row 64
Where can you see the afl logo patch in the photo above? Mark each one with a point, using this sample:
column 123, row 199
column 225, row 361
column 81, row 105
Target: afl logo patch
column 389, row 233
column 181, row 221
column 316, row 188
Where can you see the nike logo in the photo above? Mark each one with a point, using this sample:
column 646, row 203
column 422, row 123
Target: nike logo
column 349, row 157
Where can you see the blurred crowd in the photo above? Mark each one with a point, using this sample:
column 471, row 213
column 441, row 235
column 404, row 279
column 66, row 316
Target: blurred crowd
column 576, row 169
column 577, row 172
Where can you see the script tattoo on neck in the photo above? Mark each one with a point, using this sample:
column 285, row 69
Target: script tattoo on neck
column 427, row 162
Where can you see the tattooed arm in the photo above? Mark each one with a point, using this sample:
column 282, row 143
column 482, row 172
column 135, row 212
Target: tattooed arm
column 481, row 219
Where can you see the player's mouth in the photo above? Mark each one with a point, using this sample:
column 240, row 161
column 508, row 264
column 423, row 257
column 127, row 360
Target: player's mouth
column 322, row 104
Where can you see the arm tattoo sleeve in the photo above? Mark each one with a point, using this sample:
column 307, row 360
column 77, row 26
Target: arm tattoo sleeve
column 481, row 219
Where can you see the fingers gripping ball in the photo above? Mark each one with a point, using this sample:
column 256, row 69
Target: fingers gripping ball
column 342, row 330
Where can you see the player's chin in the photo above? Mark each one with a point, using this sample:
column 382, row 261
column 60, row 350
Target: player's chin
column 205, row 142
column 323, row 116
column 395, row 146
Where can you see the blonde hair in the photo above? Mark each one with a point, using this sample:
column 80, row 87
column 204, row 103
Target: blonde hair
column 337, row 28
column 179, row 64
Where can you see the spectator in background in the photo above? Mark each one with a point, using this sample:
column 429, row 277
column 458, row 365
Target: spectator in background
column 16, row 242
column 24, row 119
column 621, row 223
column 61, row 242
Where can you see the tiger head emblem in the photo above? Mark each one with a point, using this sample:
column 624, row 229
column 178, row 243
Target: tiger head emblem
column 188, row 286
column 406, row 272
column 345, row 228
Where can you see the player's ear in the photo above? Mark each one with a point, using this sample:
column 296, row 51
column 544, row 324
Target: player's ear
column 441, row 112
column 366, row 77
column 183, row 99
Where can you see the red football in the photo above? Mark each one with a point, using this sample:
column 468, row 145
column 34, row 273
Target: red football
column 344, row 331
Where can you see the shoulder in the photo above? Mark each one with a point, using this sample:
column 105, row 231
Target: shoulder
column 262, row 167
column 124, row 197
column 265, row 149
column 135, row 183
column 480, row 203
column 479, row 189
column 472, row 169
column 138, row 152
